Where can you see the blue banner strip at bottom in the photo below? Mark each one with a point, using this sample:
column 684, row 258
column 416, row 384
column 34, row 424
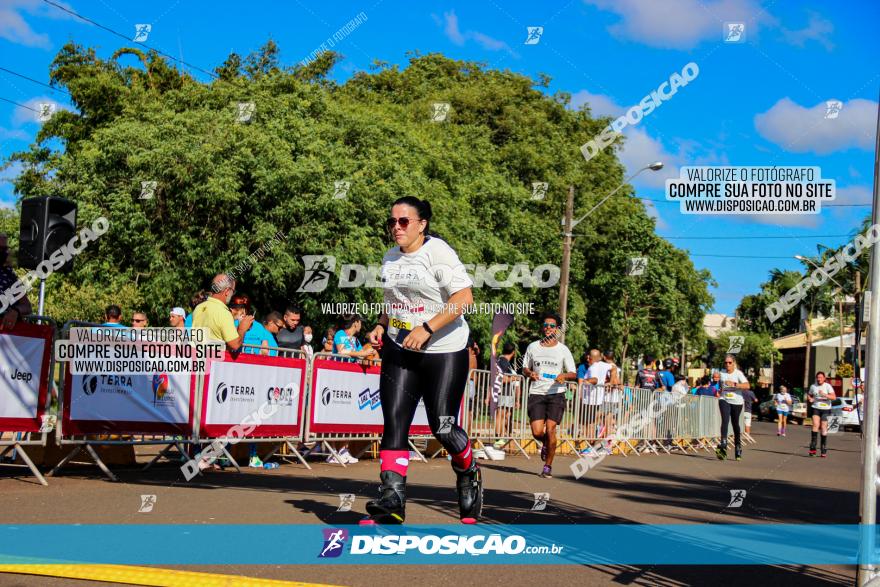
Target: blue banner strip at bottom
column 631, row 544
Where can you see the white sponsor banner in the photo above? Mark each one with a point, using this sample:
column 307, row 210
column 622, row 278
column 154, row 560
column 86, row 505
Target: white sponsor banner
column 235, row 390
column 161, row 398
column 21, row 362
column 352, row 398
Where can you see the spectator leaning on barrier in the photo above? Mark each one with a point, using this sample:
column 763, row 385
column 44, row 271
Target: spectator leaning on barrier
column 139, row 320
column 273, row 323
column 307, row 347
column 197, row 298
column 508, row 397
column 216, row 317
column 345, row 340
column 20, row 308
column 583, row 366
column 327, row 341
column 666, row 376
column 113, row 316
column 647, row 377
column 177, row 318
column 291, row 336
column 256, row 335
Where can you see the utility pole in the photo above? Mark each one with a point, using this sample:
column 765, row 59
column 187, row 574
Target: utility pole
column 868, row 496
column 566, row 260
column 857, row 331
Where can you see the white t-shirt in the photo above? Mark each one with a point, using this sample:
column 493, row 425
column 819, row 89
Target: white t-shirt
column 782, row 400
column 548, row 362
column 681, row 387
column 600, row 371
column 817, row 395
column 728, row 393
column 416, row 287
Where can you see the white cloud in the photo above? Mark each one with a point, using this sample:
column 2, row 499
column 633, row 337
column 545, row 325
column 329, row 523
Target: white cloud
column 639, row 150
column 454, row 34
column 798, row 129
column 7, row 190
column 13, row 134
column 818, row 29
column 24, row 115
column 682, row 24
column 599, row 105
column 14, row 28
column 853, row 194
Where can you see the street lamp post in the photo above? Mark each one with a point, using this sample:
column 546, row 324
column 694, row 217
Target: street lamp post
column 839, row 305
column 569, row 225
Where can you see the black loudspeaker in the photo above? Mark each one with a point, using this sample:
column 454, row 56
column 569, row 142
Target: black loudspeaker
column 47, row 224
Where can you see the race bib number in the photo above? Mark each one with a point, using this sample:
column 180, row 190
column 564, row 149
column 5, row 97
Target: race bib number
column 729, row 395
column 398, row 329
column 399, row 324
column 823, row 405
column 548, row 375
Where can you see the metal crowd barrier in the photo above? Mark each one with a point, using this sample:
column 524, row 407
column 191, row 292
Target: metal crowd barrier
column 593, row 414
column 325, row 440
column 19, row 440
column 287, row 445
column 596, row 416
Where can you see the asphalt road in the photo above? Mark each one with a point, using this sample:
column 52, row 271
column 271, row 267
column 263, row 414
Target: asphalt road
column 784, row 485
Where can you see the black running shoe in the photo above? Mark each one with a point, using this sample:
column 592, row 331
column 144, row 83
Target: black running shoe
column 738, row 453
column 390, row 507
column 721, row 452
column 470, row 492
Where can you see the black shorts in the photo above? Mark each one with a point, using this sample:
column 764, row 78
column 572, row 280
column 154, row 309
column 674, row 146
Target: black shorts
column 547, row 407
column 823, row 414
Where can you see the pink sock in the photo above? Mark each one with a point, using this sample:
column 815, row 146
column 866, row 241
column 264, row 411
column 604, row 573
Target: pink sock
column 463, row 459
column 394, row 460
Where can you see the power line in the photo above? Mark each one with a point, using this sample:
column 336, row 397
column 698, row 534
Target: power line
column 30, row 79
column 118, row 34
column 752, row 237
column 739, row 256
column 17, row 104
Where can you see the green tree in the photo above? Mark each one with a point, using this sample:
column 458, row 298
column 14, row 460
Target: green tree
column 226, row 187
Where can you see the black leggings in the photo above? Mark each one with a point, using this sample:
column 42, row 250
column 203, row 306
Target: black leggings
column 730, row 414
column 407, row 376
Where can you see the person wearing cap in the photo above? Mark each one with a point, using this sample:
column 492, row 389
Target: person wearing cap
column 177, row 318
column 256, row 337
column 667, row 377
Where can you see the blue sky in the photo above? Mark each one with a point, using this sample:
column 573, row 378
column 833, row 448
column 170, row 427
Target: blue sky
column 759, row 102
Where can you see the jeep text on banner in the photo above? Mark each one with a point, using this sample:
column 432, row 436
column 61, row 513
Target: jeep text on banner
column 24, row 376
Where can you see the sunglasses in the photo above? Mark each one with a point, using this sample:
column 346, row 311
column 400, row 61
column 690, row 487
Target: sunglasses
column 403, row 222
column 728, row 362
column 139, row 320
column 548, row 325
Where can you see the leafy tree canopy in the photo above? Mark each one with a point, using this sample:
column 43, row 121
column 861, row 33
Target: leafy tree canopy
column 224, row 187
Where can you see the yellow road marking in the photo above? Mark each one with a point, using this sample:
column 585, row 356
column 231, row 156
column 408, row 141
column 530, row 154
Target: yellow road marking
column 147, row 576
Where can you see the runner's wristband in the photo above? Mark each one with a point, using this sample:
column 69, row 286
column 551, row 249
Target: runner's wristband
column 428, row 328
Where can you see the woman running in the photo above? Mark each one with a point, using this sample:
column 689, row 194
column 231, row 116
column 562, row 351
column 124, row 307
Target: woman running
column 783, row 403
column 424, row 357
column 733, row 382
